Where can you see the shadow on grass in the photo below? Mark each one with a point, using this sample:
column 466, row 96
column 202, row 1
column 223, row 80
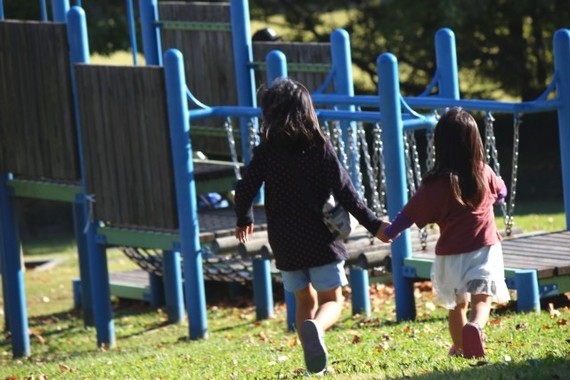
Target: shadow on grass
column 548, row 367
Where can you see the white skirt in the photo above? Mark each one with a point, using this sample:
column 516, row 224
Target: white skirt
column 456, row 277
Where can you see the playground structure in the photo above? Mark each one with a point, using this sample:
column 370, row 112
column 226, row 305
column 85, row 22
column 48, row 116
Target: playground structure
column 105, row 154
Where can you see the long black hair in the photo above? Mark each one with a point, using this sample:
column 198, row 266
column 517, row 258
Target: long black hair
column 459, row 154
column 289, row 118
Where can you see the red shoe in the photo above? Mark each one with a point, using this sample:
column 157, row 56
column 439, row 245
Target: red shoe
column 472, row 341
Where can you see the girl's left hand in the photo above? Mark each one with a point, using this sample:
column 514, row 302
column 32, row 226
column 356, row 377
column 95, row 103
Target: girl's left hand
column 242, row 233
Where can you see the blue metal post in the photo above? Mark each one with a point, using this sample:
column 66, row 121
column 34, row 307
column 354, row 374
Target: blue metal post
column 446, row 61
column 43, row 10
column 80, row 219
column 185, row 192
column 291, row 305
column 526, row 282
column 262, row 290
column 243, row 56
column 150, row 33
column 342, row 66
column 1, row 10
column 156, row 290
column 132, row 32
column 562, row 69
column 4, row 284
column 396, row 190
column 174, row 294
column 98, row 282
column 100, row 289
column 360, row 292
column 59, row 10
column 13, row 275
column 276, row 65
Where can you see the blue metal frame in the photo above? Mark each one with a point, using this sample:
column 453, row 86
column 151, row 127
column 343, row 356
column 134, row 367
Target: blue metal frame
column 185, row 192
column 13, row 274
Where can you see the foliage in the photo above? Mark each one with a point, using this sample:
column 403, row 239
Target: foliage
column 506, row 43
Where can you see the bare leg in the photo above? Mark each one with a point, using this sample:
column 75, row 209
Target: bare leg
column 306, row 305
column 457, row 318
column 313, row 320
column 480, row 309
column 473, row 346
column 330, row 307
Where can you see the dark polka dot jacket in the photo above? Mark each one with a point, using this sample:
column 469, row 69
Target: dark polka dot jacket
column 297, row 235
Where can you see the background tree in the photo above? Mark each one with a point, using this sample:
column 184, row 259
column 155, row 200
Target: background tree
column 505, row 44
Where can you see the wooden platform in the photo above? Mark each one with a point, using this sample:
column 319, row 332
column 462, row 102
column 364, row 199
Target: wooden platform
column 547, row 253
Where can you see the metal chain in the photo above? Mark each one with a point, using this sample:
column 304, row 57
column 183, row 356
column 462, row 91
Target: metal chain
column 415, row 176
column 408, row 166
column 491, row 144
column 369, row 170
column 337, row 136
column 379, row 170
column 430, row 149
column 232, row 145
column 492, row 155
column 326, row 130
column 354, row 146
column 509, row 218
column 252, row 135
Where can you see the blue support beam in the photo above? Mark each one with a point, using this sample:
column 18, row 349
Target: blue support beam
column 528, row 299
column 185, row 192
column 562, row 69
column 359, row 284
column 262, row 290
column 152, row 48
column 13, row 273
column 396, row 188
column 173, row 286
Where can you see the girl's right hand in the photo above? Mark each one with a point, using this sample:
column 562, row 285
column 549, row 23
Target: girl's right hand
column 380, row 233
column 242, row 233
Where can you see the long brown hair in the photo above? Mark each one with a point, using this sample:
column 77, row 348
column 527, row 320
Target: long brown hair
column 289, row 117
column 459, row 154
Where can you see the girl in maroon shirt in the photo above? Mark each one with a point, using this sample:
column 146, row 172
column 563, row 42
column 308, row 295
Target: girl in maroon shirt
column 458, row 195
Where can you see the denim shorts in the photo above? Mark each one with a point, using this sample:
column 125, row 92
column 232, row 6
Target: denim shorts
column 325, row 277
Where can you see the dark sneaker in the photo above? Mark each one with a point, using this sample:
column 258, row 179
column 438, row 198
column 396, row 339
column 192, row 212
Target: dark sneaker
column 472, row 341
column 313, row 346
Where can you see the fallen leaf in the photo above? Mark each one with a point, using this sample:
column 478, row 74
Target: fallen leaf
column 64, row 368
column 356, row 339
column 293, row 341
column 494, row 322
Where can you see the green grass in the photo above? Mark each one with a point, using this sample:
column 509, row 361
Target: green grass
column 520, row 346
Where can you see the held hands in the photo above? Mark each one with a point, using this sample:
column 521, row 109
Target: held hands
column 242, row 233
column 380, row 233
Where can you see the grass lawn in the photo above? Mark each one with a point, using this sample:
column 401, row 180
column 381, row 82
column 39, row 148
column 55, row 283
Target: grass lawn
column 519, row 345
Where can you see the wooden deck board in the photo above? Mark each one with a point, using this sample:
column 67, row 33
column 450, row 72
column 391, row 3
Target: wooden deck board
column 548, row 253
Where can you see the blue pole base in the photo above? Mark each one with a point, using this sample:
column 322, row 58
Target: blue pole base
column 528, row 298
column 262, row 290
column 173, row 287
column 360, row 292
column 291, row 310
